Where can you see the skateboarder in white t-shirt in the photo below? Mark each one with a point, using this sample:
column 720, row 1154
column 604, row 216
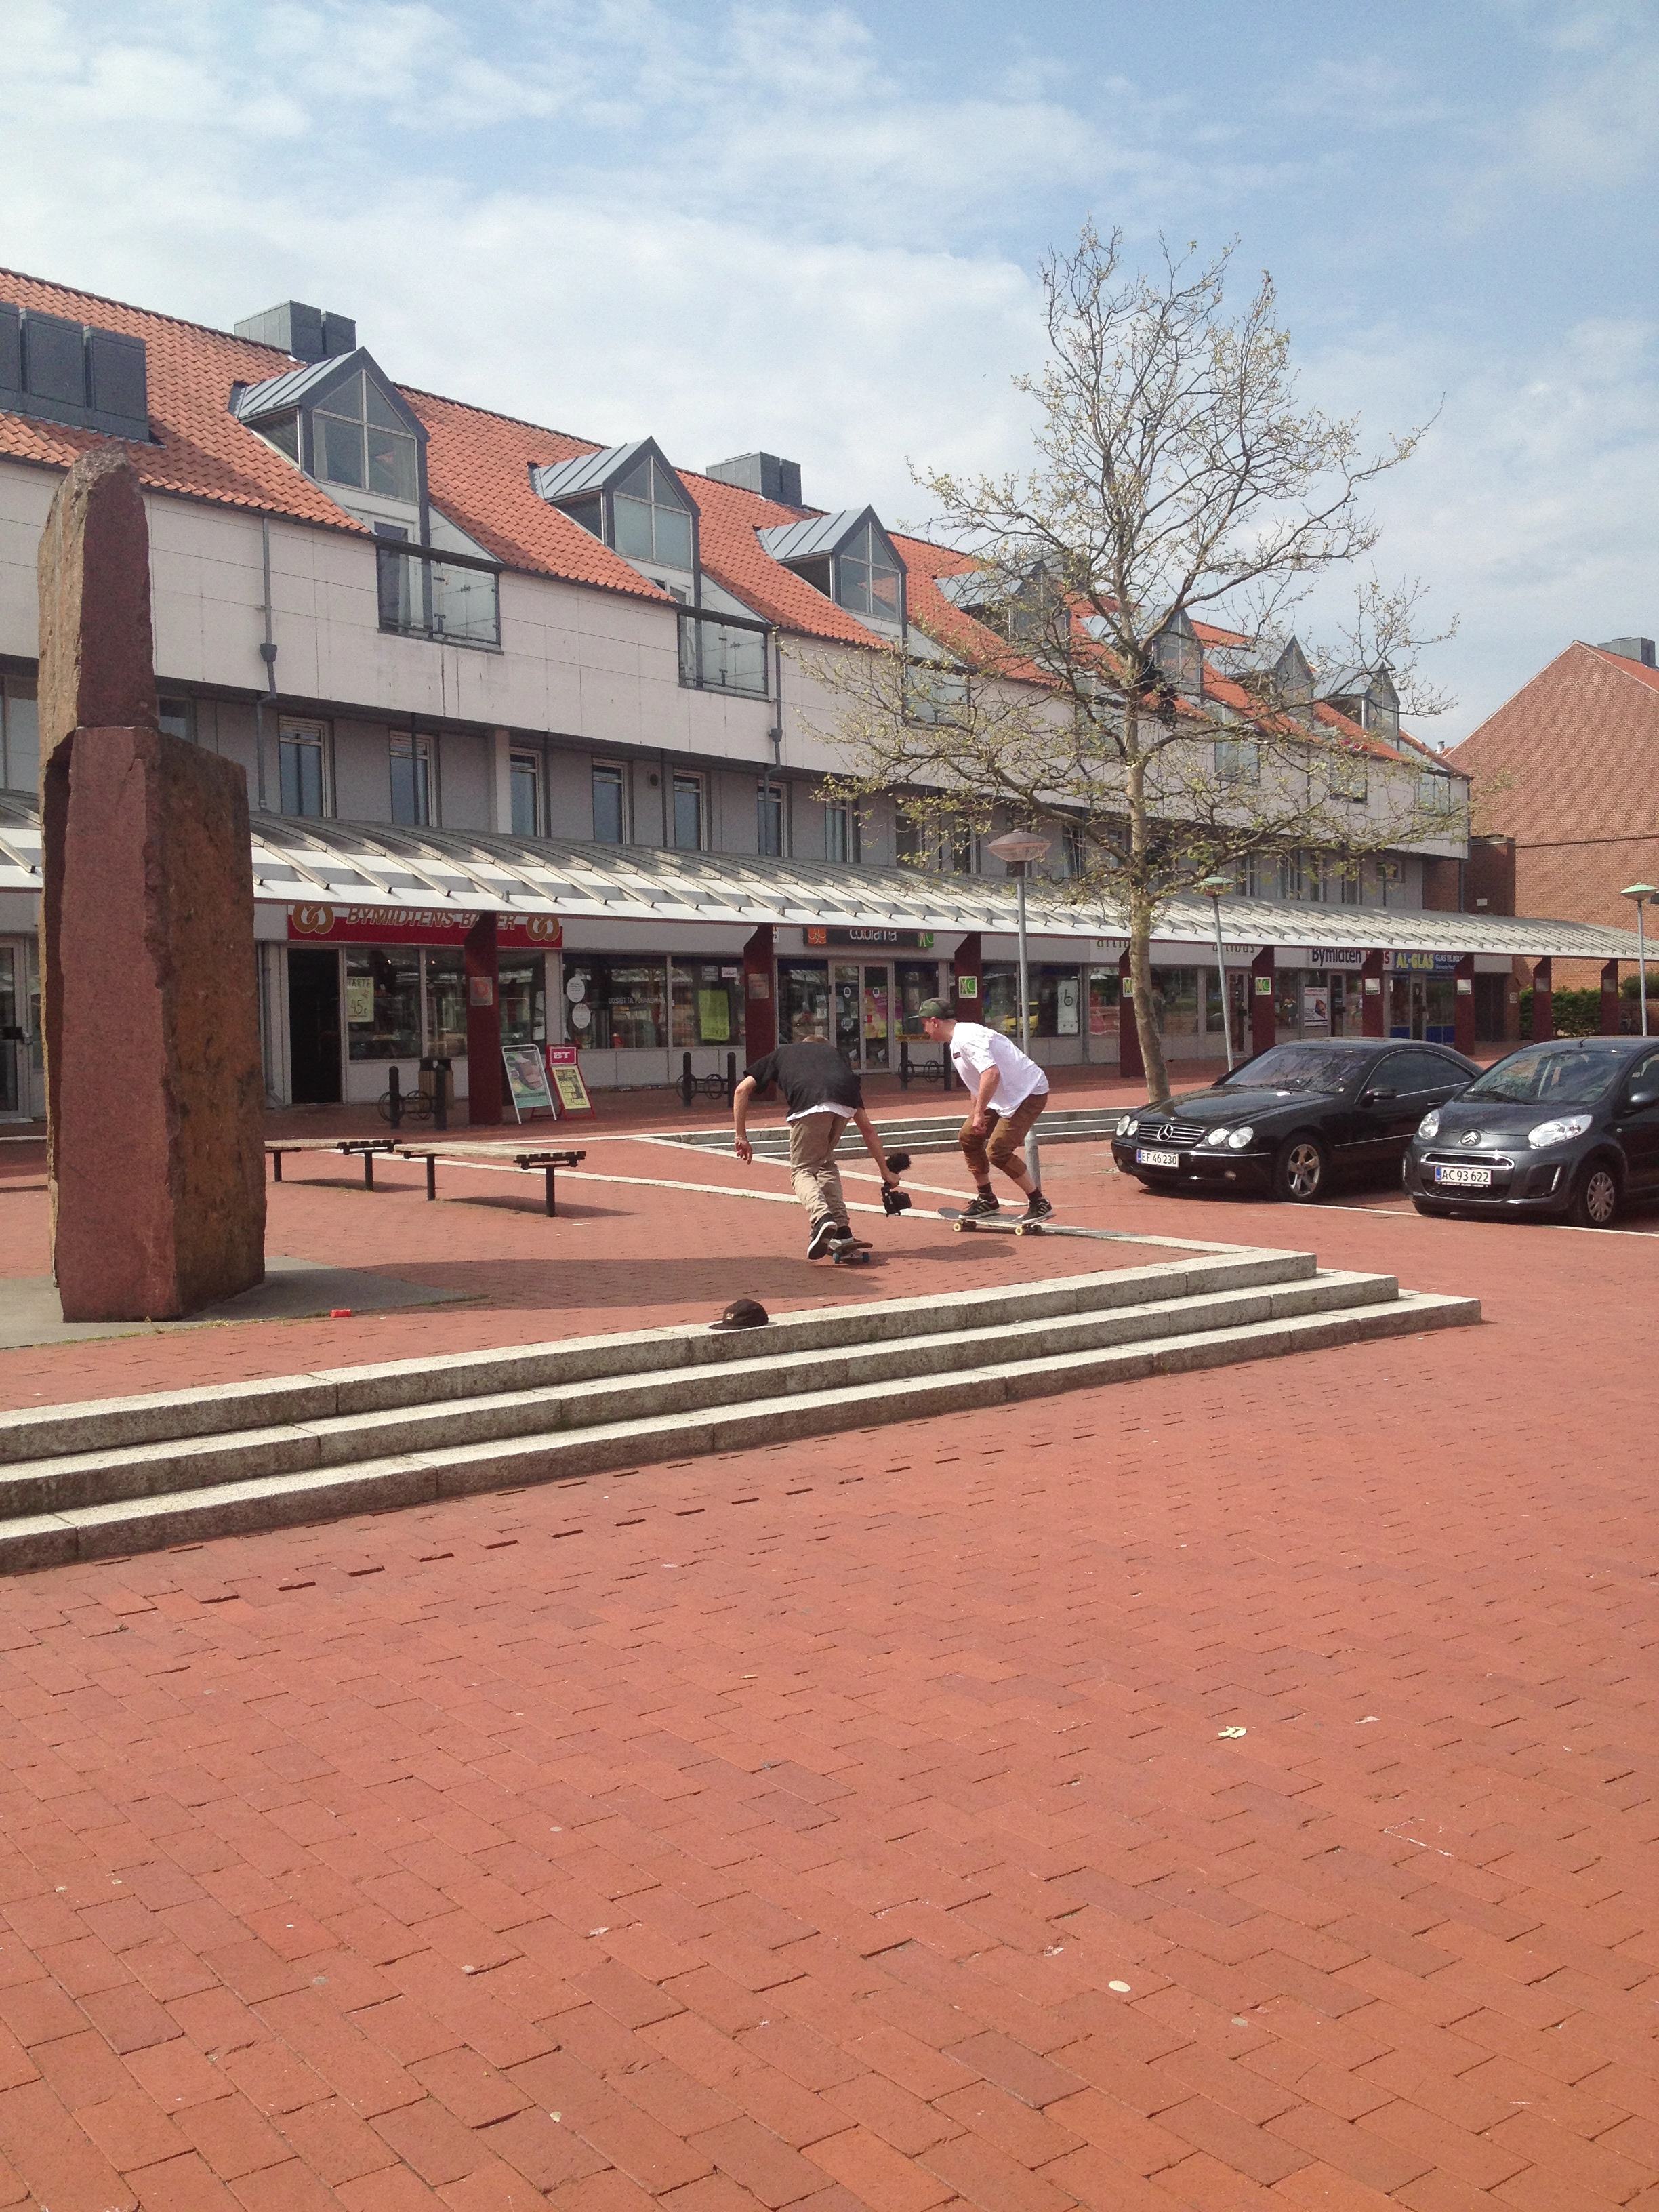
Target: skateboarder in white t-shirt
column 1009, row 1091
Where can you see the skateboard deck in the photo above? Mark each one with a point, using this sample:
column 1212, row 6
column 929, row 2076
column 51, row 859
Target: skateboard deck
column 856, row 1258
column 1013, row 1226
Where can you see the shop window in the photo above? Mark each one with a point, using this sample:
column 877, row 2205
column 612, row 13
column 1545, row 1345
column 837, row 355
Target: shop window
column 521, row 991
column 1104, row 991
column 610, row 808
column 1289, row 983
column 302, row 764
column 383, row 1002
column 770, row 807
column 19, row 735
column 411, row 780
column 688, row 813
column 524, row 782
column 803, row 1001
column 707, row 1002
column 446, row 1003
column 840, row 833
column 1175, row 1000
column 913, row 981
column 1056, row 1008
column 624, row 1001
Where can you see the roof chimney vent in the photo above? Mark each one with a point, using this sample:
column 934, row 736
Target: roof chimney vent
column 772, row 478
column 305, row 332
column 1631, row 648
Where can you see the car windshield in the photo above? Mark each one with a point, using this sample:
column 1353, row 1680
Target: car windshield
column 1574, row 1075
column 1298, row 1067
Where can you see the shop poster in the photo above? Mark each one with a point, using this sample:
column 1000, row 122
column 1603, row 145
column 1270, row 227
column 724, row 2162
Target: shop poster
column 570, row 1089
column 527, row 1085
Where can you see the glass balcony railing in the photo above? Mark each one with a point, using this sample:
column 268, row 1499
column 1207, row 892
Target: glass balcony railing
column 722, row 653
column 450, row 598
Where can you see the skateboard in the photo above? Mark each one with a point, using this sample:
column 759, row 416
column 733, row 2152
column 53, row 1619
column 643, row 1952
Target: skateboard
column 962, row 1222
column 854, row 1258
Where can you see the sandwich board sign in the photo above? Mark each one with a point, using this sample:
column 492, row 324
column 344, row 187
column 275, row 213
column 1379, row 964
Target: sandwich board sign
column 527, row 1085
column 570, row 1089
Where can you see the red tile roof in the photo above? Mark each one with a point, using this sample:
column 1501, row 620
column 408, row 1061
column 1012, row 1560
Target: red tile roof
column 478, row 466
column 1638, row 669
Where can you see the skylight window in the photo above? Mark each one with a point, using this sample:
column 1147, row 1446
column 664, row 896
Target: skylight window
column 362, row 442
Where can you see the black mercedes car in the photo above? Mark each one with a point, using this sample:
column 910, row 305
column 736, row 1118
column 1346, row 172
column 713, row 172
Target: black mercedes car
column 1567, row 1129
column 1293, row 1119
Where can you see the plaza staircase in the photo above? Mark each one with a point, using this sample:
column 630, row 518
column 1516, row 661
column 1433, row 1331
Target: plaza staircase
column 135, row 1475
column 918, row 1133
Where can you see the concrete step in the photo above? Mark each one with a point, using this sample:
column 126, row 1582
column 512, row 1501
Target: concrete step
column 921, row 1133
column 220, row 1409
column 579, row 1428
column 99, row 1477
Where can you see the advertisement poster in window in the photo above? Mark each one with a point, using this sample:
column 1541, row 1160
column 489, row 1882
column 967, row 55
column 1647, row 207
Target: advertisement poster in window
column 1316, row 1008
column 1065, row 1006
column 569, row 1086
column 526, row 1080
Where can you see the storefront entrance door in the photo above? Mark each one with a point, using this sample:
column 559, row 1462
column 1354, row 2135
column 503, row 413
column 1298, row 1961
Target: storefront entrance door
column 864, row 1015
column 13, row 1072
column 314, row 1025
column 878, row 1003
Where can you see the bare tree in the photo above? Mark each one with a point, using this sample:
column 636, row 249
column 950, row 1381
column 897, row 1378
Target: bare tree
column 1063, row 679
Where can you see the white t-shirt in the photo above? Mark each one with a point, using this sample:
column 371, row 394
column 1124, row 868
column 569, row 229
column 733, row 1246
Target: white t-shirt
column 973, row 1048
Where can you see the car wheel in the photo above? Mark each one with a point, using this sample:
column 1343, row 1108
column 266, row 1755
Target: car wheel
column 1594, row 1201
column 1300, row 1170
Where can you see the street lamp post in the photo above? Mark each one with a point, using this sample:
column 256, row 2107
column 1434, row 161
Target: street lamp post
column 1019, row 848
column 1641, row 893
column 1212, row 887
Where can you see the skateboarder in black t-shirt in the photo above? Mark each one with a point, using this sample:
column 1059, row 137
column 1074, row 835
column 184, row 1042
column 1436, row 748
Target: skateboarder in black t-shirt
column 823, row 1094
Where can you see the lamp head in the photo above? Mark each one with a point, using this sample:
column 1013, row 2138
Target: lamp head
column 1215, row 886
column 1640, row 892
column 1018, row 845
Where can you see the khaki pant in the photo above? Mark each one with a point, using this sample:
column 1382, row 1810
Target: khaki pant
column 1005, row 1134
column 812, row 1167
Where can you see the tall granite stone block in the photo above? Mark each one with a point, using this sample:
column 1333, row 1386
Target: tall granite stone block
column 155, row 1096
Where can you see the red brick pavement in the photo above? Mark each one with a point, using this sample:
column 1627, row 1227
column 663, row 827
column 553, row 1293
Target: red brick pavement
column 853, row 1825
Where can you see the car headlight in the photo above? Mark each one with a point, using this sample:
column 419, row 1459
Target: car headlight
column 1238, row 1139
column 1559, row 1133
column 1430, row 1124
column 1127, row 1125
column 1217, row 1136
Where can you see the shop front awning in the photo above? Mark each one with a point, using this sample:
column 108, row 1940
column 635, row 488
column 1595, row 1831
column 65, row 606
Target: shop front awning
column 371, row 866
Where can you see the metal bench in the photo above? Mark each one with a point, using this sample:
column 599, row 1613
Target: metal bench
column 368, row 1146
column 460, row 1156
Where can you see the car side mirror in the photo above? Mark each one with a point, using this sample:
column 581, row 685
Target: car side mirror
column 1647, row 1095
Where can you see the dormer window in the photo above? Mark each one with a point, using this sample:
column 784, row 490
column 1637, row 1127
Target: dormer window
column 652, row 520
column 629, row 498
column 848, row 557
column 362, row 442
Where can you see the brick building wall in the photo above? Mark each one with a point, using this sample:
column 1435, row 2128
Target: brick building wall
column 1570, row 768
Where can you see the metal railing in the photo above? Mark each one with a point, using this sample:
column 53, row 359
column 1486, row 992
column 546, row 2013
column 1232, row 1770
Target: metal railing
column 451, row 598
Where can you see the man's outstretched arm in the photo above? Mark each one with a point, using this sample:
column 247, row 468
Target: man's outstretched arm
column 740, row 1098
column 867, row 1129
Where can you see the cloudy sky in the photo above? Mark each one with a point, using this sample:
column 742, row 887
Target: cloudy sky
column 815, row 229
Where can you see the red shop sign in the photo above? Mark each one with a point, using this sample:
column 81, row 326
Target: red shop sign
column 415, row 925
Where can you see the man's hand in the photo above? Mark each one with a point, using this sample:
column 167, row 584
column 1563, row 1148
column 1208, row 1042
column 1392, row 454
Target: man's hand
column 980, row 1123
column 743, row 1148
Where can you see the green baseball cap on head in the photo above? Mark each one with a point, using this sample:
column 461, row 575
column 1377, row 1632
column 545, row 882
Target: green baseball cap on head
column 933, row 1010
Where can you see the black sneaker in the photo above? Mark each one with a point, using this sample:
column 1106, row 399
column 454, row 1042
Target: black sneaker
column 825, row 1231
column 1037, row 1207
column 982, row 1205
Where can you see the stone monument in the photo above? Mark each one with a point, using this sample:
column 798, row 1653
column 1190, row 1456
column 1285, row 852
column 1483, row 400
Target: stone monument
column 154, row 1098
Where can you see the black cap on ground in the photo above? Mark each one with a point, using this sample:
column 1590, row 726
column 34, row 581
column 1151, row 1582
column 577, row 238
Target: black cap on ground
column 742, row 1313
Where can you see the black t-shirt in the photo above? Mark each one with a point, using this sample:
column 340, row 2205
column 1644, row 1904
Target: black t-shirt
column 809, row 1075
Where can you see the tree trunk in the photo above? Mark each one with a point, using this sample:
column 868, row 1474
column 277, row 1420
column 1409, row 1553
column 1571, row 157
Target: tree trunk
column 1140, row 983
column 1140, row 913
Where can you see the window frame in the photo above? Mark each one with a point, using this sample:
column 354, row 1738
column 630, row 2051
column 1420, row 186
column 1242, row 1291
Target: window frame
column 418, row 749
column 611, row 773
column 843, row 811
column 518, row 758
column 689, row 780
column 18, row 690
column 288, row 727
column 772, row 791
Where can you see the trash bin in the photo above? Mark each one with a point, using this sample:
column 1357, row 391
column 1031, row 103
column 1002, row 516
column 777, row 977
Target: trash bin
column 439, row 1084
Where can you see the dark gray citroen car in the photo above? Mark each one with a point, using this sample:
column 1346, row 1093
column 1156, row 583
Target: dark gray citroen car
column 1292, row 1120
column 1568, row 1130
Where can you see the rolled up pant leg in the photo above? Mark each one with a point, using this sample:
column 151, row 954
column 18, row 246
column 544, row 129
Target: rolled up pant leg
column 972, row 1142
column 1012, row 1130
column 813, row 1169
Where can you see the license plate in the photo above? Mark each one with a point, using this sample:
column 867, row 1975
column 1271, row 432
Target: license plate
column 1145, row 1159
column 1465, row 1178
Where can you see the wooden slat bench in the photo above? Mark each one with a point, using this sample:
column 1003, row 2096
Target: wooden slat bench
column 460, row 1156
column 368, row 1146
